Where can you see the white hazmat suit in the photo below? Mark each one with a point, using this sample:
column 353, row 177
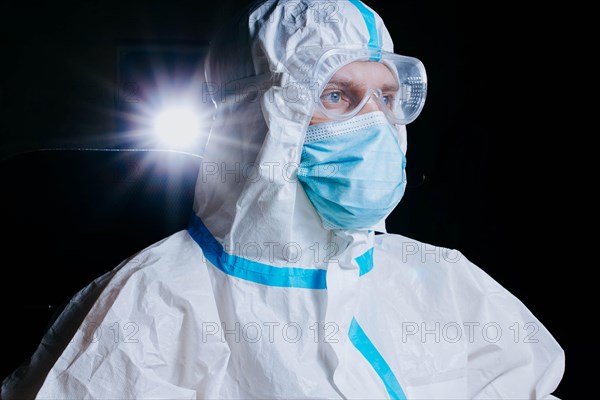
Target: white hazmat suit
column 257, row 299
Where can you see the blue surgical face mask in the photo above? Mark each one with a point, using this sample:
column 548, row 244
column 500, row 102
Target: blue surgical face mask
column 353, row 171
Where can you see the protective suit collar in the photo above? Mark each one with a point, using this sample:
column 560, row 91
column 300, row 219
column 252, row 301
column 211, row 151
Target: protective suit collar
column 247, row 269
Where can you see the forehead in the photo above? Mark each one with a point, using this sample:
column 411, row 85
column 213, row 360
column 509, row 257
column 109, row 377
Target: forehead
column 365, row 73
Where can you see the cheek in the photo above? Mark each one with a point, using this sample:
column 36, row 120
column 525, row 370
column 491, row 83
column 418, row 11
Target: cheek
column 318, row 119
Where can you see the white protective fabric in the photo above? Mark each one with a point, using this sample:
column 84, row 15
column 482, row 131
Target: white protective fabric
column 258, row 300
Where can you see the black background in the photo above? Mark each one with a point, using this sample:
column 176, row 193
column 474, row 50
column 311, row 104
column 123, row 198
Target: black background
column 483, row 176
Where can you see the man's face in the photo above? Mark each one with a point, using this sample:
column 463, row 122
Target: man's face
column 352, row 83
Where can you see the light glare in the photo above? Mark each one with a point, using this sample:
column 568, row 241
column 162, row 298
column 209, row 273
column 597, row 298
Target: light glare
column 177, row 127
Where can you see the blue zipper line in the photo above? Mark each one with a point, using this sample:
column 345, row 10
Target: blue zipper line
column 363, row 344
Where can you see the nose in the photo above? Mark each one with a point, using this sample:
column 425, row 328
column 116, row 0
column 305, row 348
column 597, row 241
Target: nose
column 371, row 105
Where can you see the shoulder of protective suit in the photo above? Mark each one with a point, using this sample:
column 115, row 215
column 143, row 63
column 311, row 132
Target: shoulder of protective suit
column 423, row 284
column 167, row 262
column 148, row 300
column 142, row 277
column 415, row 252
column 437, row 267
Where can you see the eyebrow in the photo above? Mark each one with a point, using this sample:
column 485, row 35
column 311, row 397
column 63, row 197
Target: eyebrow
column 344, row 84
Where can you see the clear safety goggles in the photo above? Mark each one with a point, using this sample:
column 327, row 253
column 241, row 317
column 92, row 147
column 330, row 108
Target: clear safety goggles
column 360, row 81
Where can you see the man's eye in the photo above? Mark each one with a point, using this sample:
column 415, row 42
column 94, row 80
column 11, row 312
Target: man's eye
column 388, row 99
column 331, row 97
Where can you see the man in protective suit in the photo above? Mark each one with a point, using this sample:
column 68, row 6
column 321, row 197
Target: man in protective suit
column 285, row 284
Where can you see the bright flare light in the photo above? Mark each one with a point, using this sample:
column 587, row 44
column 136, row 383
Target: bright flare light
column 178, row 127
